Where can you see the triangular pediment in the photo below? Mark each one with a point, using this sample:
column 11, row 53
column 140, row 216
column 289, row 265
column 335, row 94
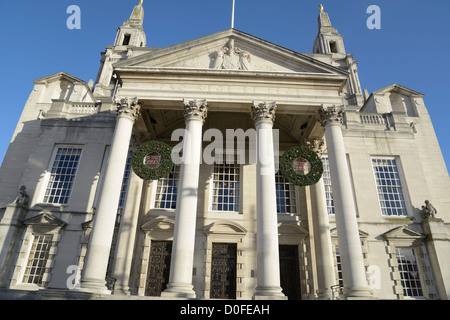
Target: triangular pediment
column 45, row 220
column 403, row 232
column 399, row 89
column 230, row 50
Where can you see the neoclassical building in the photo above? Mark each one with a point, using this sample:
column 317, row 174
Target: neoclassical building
column 108, row 190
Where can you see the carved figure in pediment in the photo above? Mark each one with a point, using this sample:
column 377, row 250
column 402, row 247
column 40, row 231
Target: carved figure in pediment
column 217, row 59
column 230, row 57
column 244, row 60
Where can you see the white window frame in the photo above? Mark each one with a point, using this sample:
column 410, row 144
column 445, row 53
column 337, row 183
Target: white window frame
column 125, row 181
column 221, row 159
column 155, row 189
column 338, row 266
column 329, row 200
column 295, row 196
column 44, row 224
column 24, row 256
column 404, row 188
column 48, row 174
column 418, row 263
column 27, row 259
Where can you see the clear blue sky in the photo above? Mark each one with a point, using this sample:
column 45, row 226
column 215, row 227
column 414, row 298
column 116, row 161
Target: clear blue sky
column 412, row 48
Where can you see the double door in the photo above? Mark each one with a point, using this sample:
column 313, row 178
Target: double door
column 223, row 271
column 159, row 268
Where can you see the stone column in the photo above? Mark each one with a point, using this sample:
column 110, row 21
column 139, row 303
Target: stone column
column 96, row 262
column 326, row 271
column 126, row 237
column 268, row 264
column 180, row 280
column 354, row 274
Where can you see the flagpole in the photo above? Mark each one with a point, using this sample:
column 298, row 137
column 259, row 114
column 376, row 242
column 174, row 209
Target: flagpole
column 232, row 15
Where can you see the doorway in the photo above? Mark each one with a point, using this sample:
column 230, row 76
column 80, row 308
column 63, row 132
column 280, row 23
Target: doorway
column 290, row 272
column 159, row 268
column 223, row 271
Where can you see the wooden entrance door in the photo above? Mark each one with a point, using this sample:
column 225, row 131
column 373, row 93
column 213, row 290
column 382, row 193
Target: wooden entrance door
column 289, row 272
column 159, row 268
column 223, row 271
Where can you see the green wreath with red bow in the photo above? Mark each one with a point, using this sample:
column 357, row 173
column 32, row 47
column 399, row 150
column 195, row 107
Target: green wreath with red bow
column 288, row 171
column 152, row 147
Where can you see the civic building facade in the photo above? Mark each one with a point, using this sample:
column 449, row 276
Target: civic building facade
column 78, row 221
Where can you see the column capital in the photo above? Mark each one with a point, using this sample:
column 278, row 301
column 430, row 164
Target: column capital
column 328, row 115
column 129, row 108
column 264, row 112
column 315, row 145
column 195, row 109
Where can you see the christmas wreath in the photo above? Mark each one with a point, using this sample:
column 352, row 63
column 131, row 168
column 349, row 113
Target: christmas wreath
column 152, row 160
column 288, row 169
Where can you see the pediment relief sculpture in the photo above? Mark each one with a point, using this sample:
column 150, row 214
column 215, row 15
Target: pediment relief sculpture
column 230, row 57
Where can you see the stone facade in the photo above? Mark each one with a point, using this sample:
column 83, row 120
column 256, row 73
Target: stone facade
column 67, row 205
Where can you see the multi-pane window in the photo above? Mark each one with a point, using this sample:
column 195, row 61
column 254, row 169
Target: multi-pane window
column 285, row 191
column 409, row 272
column 225, row 187
column 327, row 183
column 389, row 187
column 339, row 268
column 37, row 259
column 62, row 175
column 125, row 181
column 166, row 190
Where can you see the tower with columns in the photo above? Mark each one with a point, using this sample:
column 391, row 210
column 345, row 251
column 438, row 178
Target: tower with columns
column 226, row 222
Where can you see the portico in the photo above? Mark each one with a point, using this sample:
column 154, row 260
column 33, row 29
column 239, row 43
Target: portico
column 289, row 101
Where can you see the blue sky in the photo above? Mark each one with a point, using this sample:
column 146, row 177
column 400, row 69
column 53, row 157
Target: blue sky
column 411, row 48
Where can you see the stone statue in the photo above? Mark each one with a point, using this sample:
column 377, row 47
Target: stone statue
column 231, row 58
column 428, row 211
column 22, row 198
column 244, row 60
column 218, row 59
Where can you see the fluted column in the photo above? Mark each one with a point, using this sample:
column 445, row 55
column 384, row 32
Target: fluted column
column 326, row 272
column 180, row 280
column 354, row 275
column 96, row 261
column 268, row 264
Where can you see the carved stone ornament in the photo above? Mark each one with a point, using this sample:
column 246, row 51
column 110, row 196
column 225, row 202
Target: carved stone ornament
column 331, row 115
column 195, row 110
column 129, row 107
column 231, row 58
column 22, row 198
column 428, row 211
column 264, row 112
